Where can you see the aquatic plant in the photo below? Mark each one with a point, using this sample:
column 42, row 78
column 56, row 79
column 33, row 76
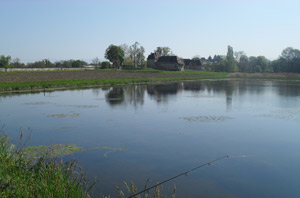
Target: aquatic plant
column 73, row 115
column 52, row 151
column 43, row 177
column 61, row 150
column 206, row 118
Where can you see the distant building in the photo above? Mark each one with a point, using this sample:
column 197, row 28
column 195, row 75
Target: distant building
column 173, row 63
column 170, row 63
column 187, row 61
column 193, row 64
column 152, row 58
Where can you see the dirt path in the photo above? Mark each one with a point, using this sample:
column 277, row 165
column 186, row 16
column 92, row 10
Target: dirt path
column 84, row 75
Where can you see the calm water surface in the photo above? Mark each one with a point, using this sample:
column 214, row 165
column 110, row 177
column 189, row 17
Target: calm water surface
column 169, row 128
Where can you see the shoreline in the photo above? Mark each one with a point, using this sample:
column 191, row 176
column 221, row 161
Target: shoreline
column 24, row 82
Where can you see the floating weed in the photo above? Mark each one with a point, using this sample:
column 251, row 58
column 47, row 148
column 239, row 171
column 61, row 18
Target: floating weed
column 73, row 115
column 54, row 150
column 79, row 106
column 61, row 150
column 207, row 118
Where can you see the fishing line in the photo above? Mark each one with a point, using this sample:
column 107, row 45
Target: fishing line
column 185, row 173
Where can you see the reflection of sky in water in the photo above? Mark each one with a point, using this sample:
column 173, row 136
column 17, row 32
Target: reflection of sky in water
column 262, row 122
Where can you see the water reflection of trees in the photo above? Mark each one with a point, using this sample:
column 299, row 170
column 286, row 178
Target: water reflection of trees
column 213, row 88
column 98, row 91
column 135, row 94
column 132, row 94
column 289, row 89
column 115, row 96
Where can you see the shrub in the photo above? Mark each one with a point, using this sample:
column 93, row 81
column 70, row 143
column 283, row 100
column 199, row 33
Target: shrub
column 105, row 64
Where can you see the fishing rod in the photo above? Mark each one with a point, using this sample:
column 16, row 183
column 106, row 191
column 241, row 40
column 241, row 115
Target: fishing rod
column 184, row 173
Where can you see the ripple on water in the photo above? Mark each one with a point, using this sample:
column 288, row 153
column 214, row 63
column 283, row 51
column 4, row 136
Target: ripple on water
column 287, row 114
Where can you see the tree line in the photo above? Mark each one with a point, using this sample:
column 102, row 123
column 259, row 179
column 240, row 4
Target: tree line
column 8, row 62
column 134, row 56
column 287, row 62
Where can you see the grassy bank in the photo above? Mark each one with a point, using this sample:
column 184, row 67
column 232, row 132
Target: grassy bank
column 21, row 177
column 107, row 78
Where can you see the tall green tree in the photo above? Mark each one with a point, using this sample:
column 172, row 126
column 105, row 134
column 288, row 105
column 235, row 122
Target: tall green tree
column 5, row 61
column 290, row 57
column 231, row 64
column 229, row 52
column 289, row 54
column 41, row 64
column 243, row 64
column 115, row 55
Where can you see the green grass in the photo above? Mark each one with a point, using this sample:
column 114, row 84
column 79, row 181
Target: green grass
column 41, row 85
column 30, row 172
column 20, row 177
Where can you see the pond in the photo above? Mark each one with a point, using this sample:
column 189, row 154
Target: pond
column 136, row 132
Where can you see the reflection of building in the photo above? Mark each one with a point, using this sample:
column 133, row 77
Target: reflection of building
column 163, row 91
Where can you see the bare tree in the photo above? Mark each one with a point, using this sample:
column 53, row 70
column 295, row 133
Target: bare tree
column 96, row 62
column 164, row 51
column 238, row 55
column 137, row 54
column 125, row 49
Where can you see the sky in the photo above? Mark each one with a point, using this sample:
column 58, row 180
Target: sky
column 82, row 29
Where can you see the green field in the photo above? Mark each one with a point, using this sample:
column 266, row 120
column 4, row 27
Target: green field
column 27, row 81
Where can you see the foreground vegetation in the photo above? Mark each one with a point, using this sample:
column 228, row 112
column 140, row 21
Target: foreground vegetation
column 36, row 172
column 42, row 177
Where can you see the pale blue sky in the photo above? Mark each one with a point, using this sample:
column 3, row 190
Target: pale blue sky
column 82, row 29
